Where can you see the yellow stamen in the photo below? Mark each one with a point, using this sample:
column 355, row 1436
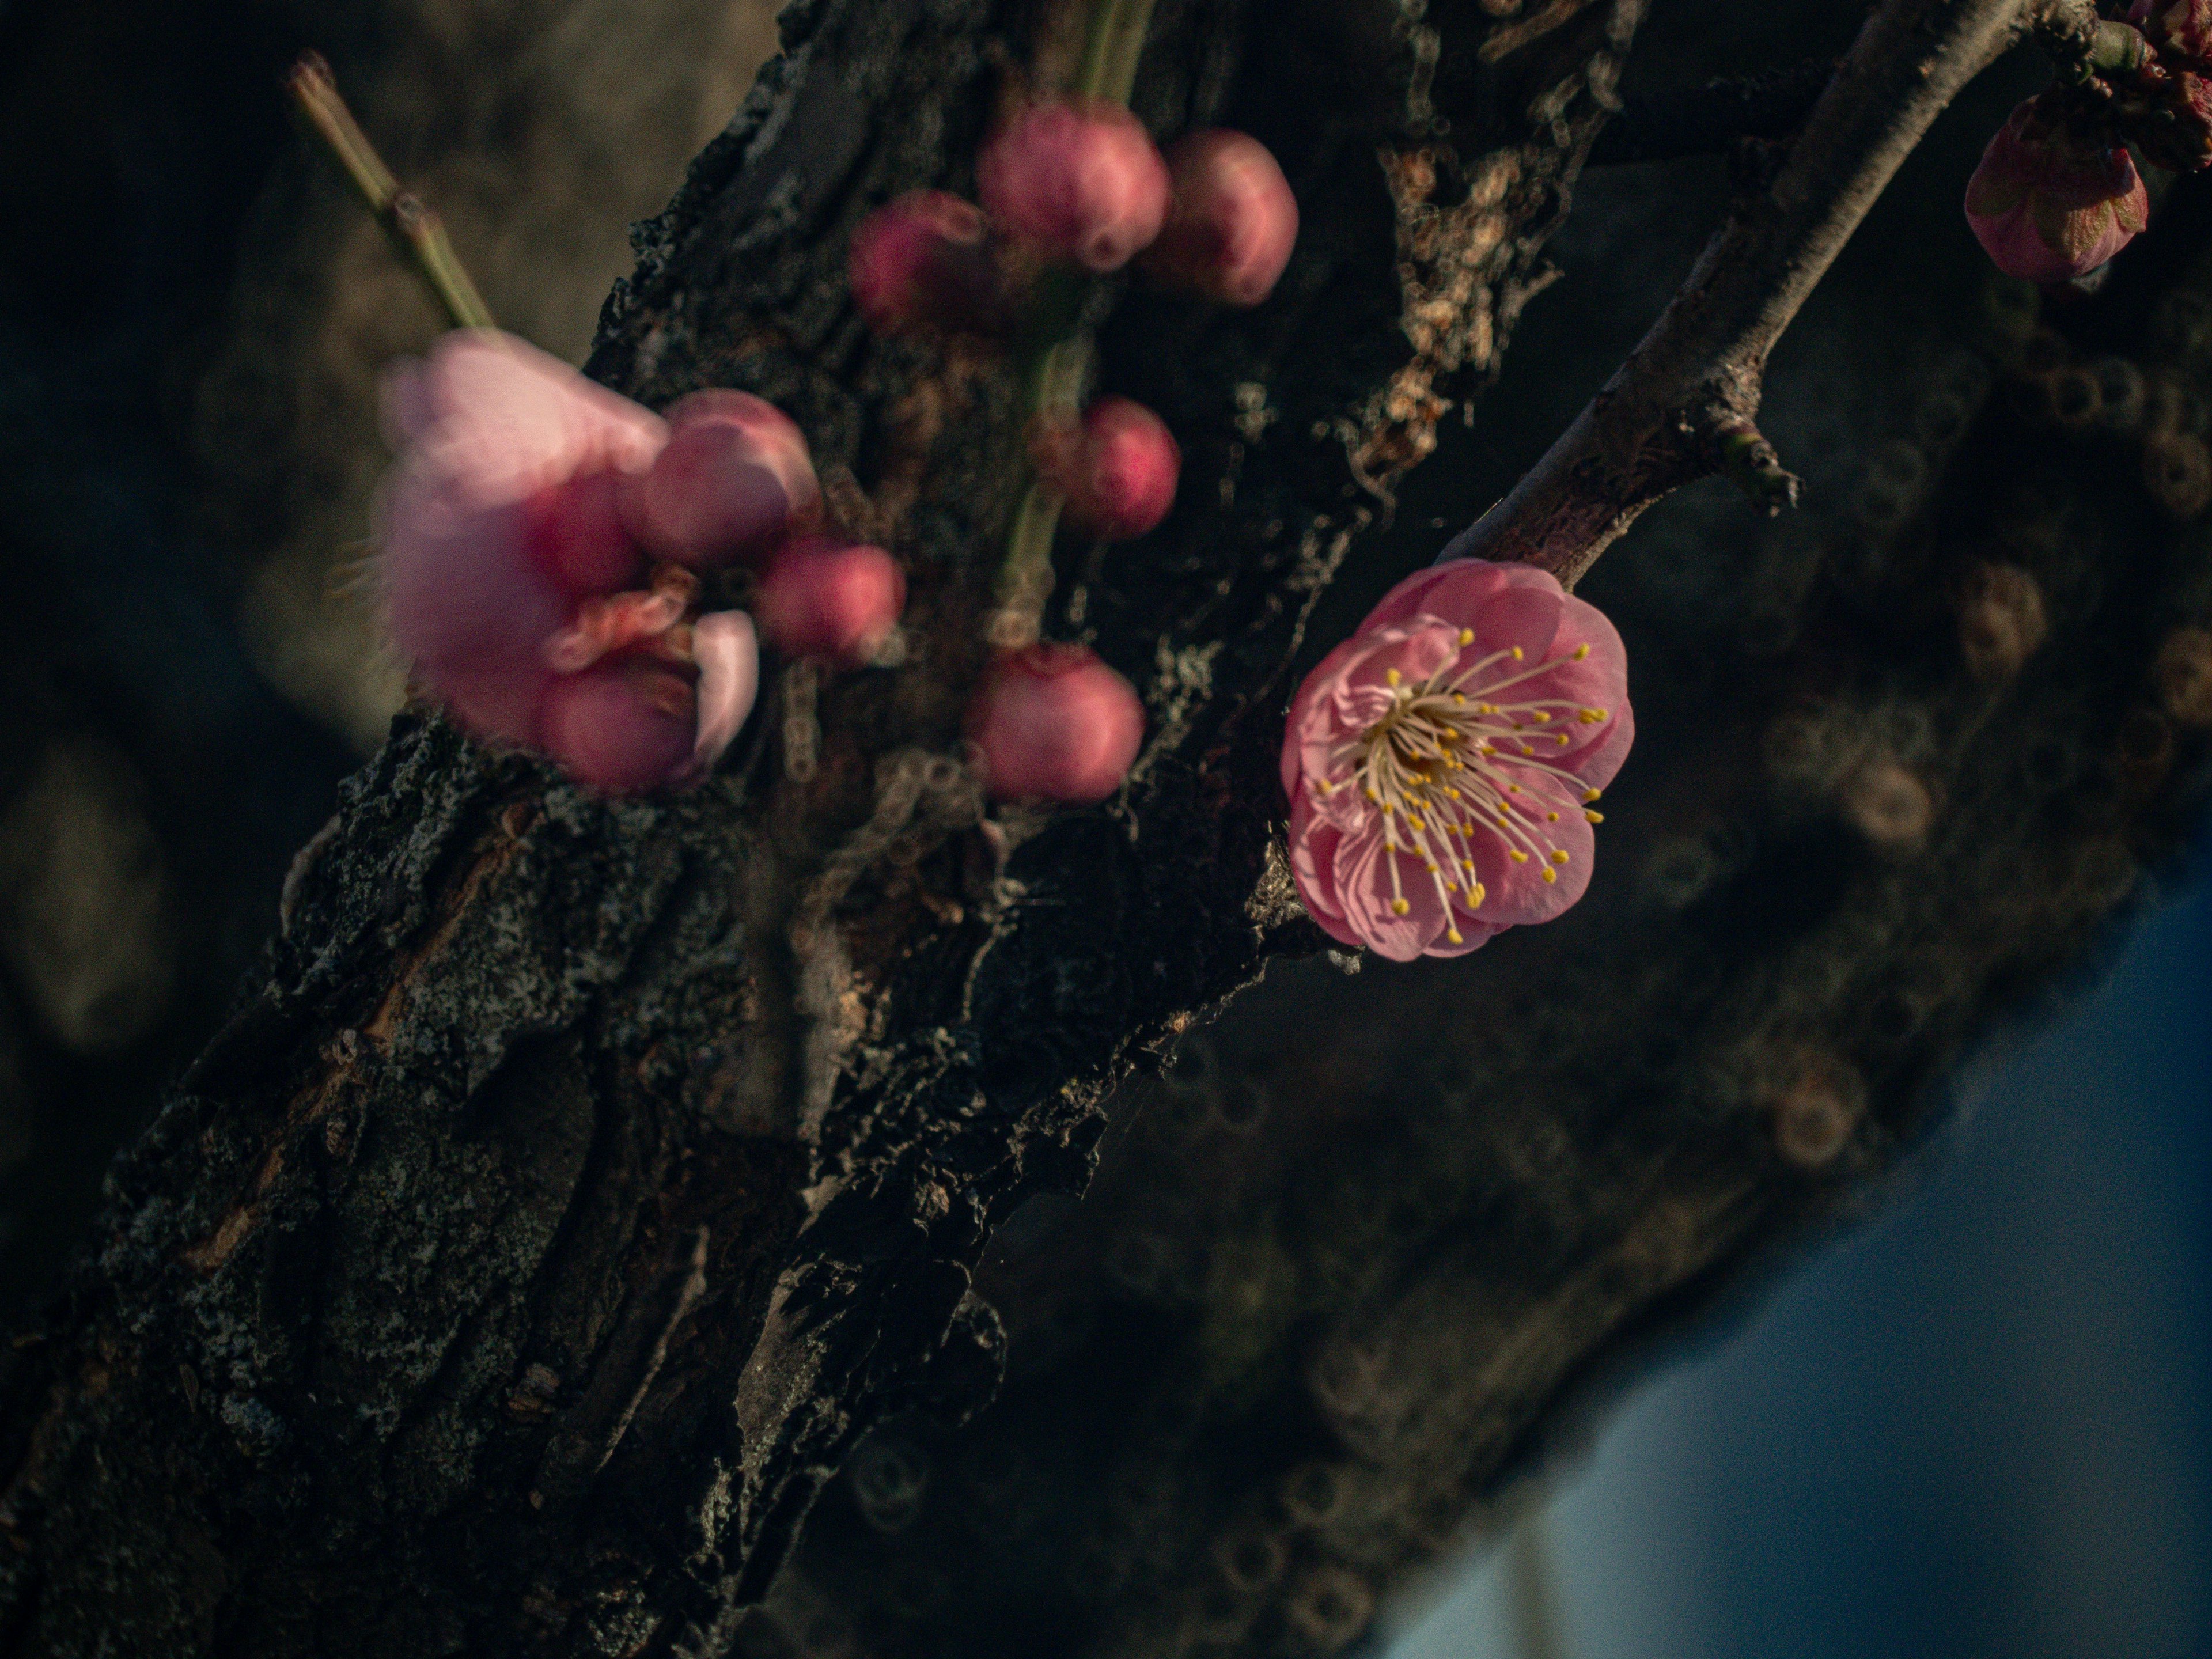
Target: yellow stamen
column 1454, row 936
column 1516, row 653
column 1581, row 652
column 1550, row 874
column 1467, row 636
column 1399, row 907
column 1558, row 855
column 1594, row 818
column 1516, row 855
column 1393, row 677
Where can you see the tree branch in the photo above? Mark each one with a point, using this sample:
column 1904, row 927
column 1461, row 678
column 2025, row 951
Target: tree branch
column 1685, row 403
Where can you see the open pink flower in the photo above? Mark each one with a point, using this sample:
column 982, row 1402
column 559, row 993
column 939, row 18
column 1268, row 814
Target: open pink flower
column 2051, row 201
column 516, row 587
column 1441, row 764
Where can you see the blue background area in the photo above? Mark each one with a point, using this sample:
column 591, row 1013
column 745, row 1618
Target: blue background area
column 1980, row 1423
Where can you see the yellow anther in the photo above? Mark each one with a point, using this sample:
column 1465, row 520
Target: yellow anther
column 1563, row 740
column 1453, row 793
column 1453, row 935
column 1459, row 696
column 1543, row 717
column 1594, row 818
column 1467, row 636
column 1581, row 651
column 1399, row 907
column 1431, row 866
column 1558, row 855
column 1516, row 653
column 1327, row 788
column 1370, row 792
column 1393, row 677
column 1550, row 874
column 1593, row 716
column 1589, row 794
column 1550, row 818
column 1513, row 788
column 1483, row 749
column 1518, row 856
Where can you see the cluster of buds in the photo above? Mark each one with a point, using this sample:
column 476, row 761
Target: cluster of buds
column 2056, row 194
column 1079, row 185
column 1075, row 186
column 546, row 542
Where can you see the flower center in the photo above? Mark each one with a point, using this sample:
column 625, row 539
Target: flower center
column 1445, row 764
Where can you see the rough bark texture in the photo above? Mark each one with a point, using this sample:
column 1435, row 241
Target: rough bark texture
column 583, row 1180
column 581, row 1185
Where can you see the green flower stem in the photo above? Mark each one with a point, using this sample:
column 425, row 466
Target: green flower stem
column 1059, row 354
column 416, row 231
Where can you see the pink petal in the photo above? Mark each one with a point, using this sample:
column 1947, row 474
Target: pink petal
column 1316, row 685
column 1363, row 878
column 728, row 655
column 1516, row 893
column 1313, row 870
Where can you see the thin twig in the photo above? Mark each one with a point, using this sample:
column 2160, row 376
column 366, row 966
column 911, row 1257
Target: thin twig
column 413, row 227
column 1686, row 401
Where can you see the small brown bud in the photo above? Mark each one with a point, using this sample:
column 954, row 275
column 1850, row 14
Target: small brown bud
column 2001, row 621
column 2184, row 671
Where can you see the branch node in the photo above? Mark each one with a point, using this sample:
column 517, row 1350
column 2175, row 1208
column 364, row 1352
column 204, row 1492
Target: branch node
column 1746, row 456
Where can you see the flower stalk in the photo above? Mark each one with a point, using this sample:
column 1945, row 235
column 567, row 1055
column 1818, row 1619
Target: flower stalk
column 416, row 231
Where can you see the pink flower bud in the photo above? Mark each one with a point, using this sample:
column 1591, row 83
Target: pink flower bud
column 625, row 723
column 1078, row 183
column 734, row 478
column 924, row 261
column 1117, row 470
column 2053, row 201
column 2170, row 117
column 834, row 600
column 1055, row 723
column 572, row 533
column 1232, row 221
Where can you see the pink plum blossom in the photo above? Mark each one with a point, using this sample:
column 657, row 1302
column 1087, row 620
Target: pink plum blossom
column 1117, row 469
column 1231, row 222
column 734, row 478
column 1442, row 762
column 2052, row 200
column 1055, row 723
column 1078, row 182
column 836, row 600
column 923, row 260
column 513, row 582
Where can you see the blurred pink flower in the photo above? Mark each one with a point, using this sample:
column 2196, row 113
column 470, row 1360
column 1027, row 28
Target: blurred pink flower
column 1441, row 764
column 512, row 580
column 734, row 478
column 1118, row 468
column 1231, row 222
column 1053, row 722
column 833, row 599
column 2050, row 202
column 1078, row 182
column 923, row 260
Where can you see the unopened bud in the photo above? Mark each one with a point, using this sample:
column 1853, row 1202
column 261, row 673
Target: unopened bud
column 1055, row 723
column 734, row 478
column 2054, row 198
column 835, row 601
column 2168, row 114
column 1117, row 470
column 1231, row 219
column 1080, row 183
column 624, row 724
column 923, row 261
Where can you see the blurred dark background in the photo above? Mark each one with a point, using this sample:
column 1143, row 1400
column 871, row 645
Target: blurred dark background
column 1976, row 1426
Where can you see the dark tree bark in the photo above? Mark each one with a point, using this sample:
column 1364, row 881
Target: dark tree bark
column 584, row 1181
